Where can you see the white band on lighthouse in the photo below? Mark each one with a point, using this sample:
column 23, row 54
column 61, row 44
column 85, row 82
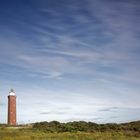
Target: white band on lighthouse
column 12, row 92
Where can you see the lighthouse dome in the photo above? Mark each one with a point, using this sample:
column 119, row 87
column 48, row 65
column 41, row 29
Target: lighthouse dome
column 12, row 92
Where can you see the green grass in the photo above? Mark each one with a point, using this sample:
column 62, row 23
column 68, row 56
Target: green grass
column 30, row 134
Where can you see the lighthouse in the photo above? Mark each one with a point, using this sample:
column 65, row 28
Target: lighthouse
column 12, row 108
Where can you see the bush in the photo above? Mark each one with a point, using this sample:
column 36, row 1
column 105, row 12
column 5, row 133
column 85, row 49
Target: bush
column 82, row 126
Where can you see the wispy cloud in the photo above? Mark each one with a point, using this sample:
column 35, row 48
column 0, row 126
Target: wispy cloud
column 109, row 109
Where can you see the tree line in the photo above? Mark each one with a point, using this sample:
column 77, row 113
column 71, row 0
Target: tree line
column 55, row 126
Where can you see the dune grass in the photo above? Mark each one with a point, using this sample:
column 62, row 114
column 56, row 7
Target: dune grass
column 30, row 134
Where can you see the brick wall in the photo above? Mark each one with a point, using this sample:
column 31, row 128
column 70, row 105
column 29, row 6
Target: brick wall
column 11, row 110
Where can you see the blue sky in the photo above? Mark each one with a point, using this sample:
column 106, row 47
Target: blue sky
column 70, row 59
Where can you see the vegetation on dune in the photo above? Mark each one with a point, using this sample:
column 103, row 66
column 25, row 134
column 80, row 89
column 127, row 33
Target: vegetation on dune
column 39, row 135
column 71, row 131
column 82, row 126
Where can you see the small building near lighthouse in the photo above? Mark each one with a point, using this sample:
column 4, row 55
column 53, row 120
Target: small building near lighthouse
column 12, row 108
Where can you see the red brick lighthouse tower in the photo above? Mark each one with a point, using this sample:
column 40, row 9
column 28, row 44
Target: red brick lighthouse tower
column 12, row 108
